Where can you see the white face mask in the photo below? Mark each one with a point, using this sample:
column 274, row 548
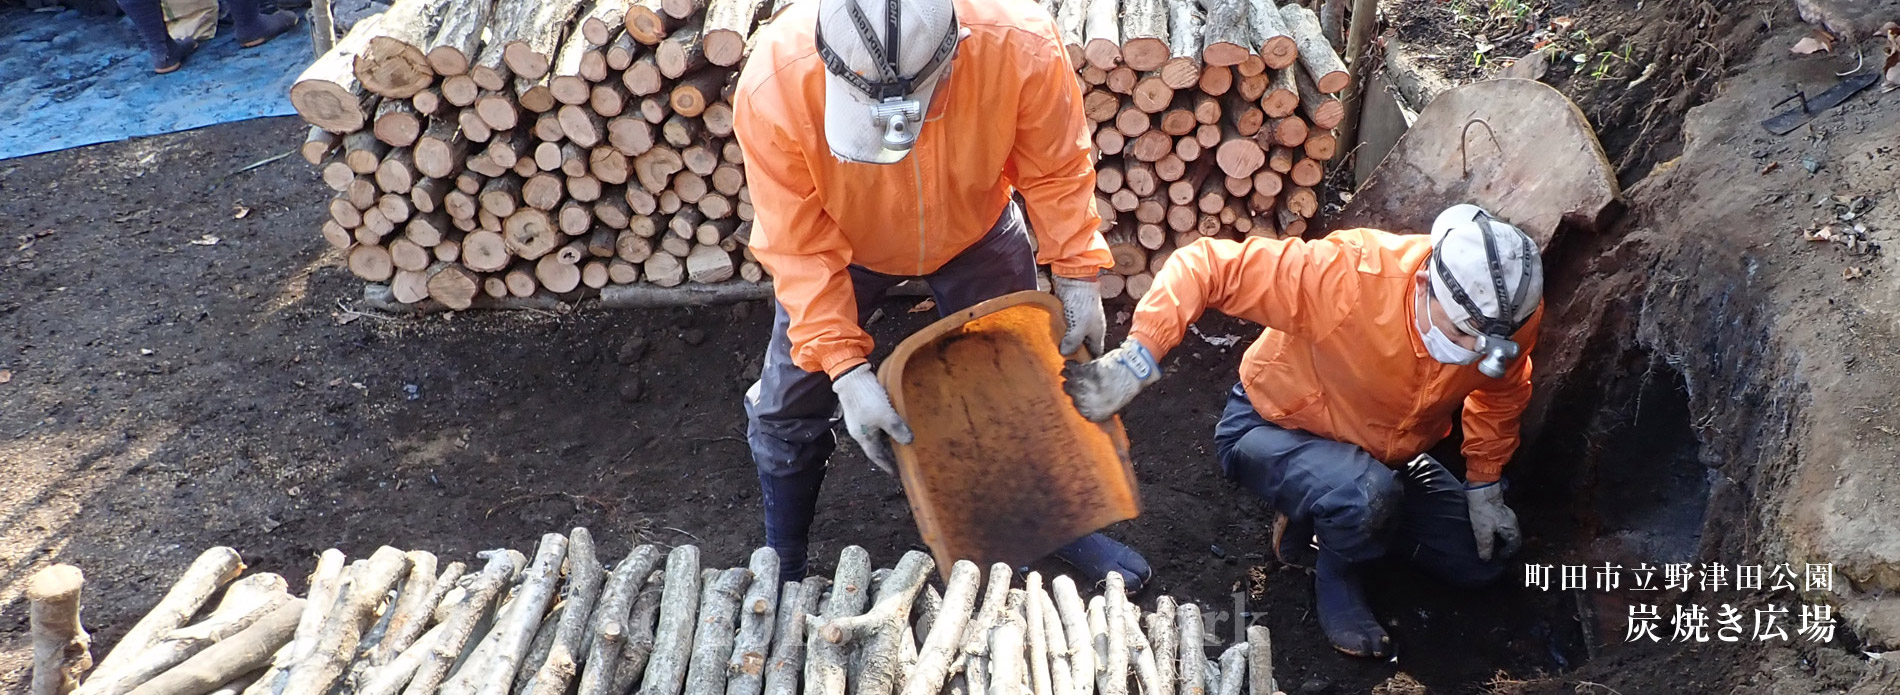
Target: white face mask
column 1441, row 347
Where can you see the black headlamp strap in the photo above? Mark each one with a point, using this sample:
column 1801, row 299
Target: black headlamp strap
column 1505, row 323
column 893, row 84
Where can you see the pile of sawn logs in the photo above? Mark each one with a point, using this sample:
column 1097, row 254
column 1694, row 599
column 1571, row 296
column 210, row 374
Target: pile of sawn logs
column 509, row 147
column 661, row 623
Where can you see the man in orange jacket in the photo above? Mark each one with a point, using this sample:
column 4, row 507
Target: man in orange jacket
column 883, row 141
column 1373, row 343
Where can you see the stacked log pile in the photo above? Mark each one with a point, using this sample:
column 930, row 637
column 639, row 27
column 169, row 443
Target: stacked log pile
column 517, row 147
column 656, row 622
column 1214, row 122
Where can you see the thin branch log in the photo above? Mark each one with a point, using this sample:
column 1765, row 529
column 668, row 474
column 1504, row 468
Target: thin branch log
column 211, row 570
column 239, row 654
column 673, row 644
column 61, row 646
column 756, row 625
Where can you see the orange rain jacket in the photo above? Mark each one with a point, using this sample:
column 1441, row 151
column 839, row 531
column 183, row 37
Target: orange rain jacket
column 1341, row 356
column 1009, row 116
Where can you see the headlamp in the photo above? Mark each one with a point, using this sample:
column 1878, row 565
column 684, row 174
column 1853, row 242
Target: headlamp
column 899, row 118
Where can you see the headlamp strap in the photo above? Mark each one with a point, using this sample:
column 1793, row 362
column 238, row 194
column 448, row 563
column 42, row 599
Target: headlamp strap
column 892, row 84
column 1504, row 324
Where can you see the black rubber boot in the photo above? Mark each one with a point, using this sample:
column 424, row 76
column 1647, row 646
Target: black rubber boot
column 148, row 19
column 1095, row 555
column 1344, row 614
column 254, row 27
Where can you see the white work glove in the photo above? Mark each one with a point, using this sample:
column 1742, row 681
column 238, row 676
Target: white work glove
column 1102, row 387
column 869, row 417
column 1082, row 313
column 1491, row 520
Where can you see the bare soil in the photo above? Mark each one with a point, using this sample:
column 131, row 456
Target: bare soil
column 185, row 364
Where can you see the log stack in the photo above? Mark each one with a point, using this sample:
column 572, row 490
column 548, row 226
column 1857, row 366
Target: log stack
column 520, row 147
column 666, row 622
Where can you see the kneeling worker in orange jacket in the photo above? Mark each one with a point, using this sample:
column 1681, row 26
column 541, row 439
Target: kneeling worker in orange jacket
column 1373, row 344
column 883, row 141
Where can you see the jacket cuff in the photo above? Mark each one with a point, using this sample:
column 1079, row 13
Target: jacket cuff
column 835, row 365
column 1479, row 472
column 1083, row 271
column 1153, row 343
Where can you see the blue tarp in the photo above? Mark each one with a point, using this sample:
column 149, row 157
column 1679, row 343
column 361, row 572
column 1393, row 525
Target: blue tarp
column 68, row 79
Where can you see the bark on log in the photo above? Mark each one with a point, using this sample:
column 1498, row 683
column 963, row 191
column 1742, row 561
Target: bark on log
column 454, row 45
column 1283, row 93
column 691, row 95
column 1144, row 34
column 1071, row 22
column 397, row 123
column 1141, row 655
column 582, row 590
column 1324, row 111
column 647, row 24
column 455, row 287
column 945, row 636
column 1260, row 661
column 239, row 654
column 1289, row 132
column 879, row 631
column 564, row 80
column 1226, row 38
column 613, row 622
column 666, row 669
column 529, row 49
column 343, row 627
column 1273, row 40
column 1183, row 68
column 783, row 673
column 1075, row 628
column 604, row 21
column 713, row 637
column 363, row 152
column 61, row 646
column 515, row 629
column 392, row 63
column 1115, row 671
column 1233, row 669
column 1322, row 64
column 756, row 624
column 728, row 24
column 327, row 94
column 1193, row 671
column 211, row 570
column 1162, row 636
column 1103, row 48
column 682, row 52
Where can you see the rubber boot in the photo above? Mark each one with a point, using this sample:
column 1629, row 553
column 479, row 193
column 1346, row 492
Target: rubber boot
column 255, row 27
column 1095, row 555
column 1344, row 615
column 148, row 19
column 1293, row 542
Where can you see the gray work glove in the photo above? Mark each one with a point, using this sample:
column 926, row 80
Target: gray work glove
column 1492, row 521
column 1102, row 387
column 869, row 417
column 1082, row 314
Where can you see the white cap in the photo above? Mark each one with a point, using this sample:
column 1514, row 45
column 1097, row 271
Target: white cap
column 1459, row 248
column 850, row 129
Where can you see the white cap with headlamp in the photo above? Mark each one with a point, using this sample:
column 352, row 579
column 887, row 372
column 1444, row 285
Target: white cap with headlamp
column 884, row 59
column 1488, row 277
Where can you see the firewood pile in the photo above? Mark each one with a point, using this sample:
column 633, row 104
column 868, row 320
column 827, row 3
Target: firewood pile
column 658, row 621
column 520, row 147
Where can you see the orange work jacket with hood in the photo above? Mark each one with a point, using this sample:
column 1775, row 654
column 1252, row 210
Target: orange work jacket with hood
column 1008, row 118
column 1341, row 356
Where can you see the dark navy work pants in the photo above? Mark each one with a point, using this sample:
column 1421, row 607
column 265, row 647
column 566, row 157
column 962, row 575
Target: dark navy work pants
column 1358, row 507
column 790, row 412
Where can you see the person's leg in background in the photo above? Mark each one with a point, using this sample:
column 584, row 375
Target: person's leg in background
column 148, row 19
column 1348, row 499
column 254, row 27
column 999, row 264
column 789, row 418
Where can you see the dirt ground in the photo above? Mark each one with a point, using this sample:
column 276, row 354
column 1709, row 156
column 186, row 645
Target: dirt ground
column 184, row 363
